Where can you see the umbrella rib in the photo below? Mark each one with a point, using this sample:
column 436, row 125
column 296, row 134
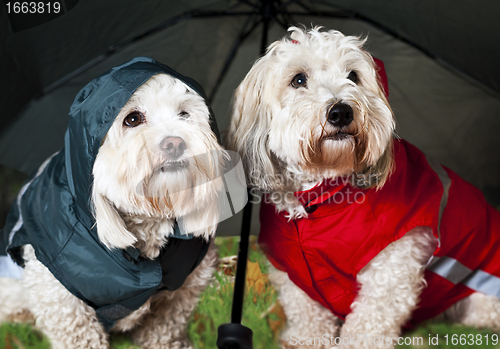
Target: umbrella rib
column 255, row 6
column 235, row 6
column 113, row 49
column 286, row 16
column 305, row 7
column 280, row 22
column 282, row 6
column 345, row 14
column 342, row 13
column 354, row 15
column 229, row 60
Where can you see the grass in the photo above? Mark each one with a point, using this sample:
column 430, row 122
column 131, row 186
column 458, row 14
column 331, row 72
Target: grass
column 22, row 336
column 262, row 313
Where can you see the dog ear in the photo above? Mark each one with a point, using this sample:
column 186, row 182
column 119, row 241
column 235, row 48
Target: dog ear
column 110, row 226
column 249, row 129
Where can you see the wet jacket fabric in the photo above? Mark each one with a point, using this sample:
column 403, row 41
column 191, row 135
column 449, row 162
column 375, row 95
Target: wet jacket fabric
column 347, row 227
column 52, row 211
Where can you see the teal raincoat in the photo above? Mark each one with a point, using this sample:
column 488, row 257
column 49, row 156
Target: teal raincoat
column 52, row 211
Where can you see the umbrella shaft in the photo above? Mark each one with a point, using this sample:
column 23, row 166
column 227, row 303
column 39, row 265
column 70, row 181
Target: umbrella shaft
column 241, row 266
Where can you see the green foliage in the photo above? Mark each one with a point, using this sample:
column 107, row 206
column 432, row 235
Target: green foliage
column 122, row 342
column 215, row 304
column 261, row 314
column 229, row 246
column 22, row 336
column 215, row 309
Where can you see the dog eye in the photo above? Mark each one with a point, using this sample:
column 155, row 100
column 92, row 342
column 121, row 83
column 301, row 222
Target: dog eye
column 133, row 119
column 184, row 114
column 299, row 80
column 353, row 76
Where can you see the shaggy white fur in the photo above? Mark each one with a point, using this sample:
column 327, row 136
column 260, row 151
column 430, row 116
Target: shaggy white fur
column 133, row 176
column 311, row 109
column 139, row 188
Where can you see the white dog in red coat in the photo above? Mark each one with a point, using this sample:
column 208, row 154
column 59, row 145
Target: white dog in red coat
column 366, row 227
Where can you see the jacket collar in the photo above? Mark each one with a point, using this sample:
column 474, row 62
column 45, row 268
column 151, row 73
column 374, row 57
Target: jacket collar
column 322, row 192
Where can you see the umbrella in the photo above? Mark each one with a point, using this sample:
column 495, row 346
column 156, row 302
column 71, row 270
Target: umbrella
column 440, row 57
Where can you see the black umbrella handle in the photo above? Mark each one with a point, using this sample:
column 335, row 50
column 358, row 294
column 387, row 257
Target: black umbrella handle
column 235, row 335
column 241, row 266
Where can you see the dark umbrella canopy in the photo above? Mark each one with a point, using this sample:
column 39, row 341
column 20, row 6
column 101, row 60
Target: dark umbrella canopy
column 440, row 57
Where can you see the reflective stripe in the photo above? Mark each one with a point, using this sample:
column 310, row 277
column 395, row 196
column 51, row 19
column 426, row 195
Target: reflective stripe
column 483, row 282
column 455, row 272
column 446, row 182
column 451, row 269
column 19, row 222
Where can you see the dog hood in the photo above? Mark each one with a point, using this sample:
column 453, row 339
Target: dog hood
column 92, row 114
column 53, row 212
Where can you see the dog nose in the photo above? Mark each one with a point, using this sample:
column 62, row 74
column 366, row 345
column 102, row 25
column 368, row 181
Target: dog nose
column 173, row 147
column 340, row 115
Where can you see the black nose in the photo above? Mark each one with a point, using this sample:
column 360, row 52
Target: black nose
column 173, row 147
column 340, row 115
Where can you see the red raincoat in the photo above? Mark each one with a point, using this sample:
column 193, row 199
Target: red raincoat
column 347, row 227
